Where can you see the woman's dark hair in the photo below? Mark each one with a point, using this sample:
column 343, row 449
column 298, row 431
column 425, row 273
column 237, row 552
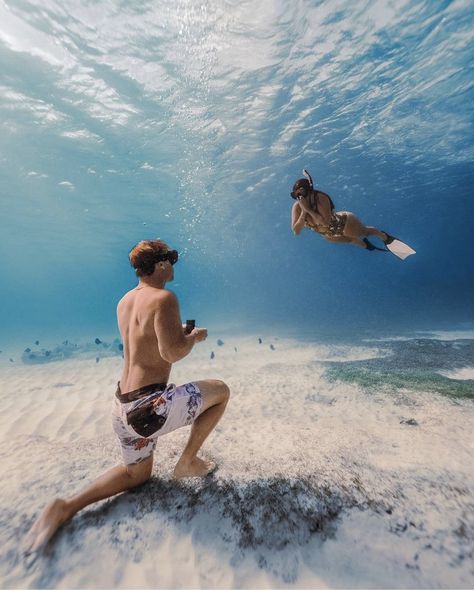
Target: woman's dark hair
column 143, row 256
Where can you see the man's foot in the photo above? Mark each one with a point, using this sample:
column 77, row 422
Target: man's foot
column 194, row 467
column 44, row 528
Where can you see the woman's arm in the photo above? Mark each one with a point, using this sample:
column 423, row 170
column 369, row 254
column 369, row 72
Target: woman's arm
column 298, row 216
column 317, row 219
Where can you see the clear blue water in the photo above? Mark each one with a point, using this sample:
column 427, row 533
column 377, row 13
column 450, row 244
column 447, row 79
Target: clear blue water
column 190, row 121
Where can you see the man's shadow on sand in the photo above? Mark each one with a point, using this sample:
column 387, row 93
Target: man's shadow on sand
column 268, row 512
column 273, row 518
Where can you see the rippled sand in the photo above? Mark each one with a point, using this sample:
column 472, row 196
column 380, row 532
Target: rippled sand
column 320, row 484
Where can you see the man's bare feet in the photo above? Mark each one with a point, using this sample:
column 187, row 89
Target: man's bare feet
column 195, row 467
column 44, row 528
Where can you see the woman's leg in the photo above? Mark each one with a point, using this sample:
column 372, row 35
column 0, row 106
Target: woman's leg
column 371, row 231
column 354, row 228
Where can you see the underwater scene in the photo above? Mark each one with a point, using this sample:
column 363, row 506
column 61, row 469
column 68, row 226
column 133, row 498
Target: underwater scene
column 312, row 163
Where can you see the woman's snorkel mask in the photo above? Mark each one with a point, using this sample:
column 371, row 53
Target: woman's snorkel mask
column 302, row 187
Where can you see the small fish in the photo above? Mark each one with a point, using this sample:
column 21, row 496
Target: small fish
column 37, row 342
column 47, row 353
column 272, row 347
column 220, row 342
column 212, row 355
column 97, row 359
column 120, row 347
column 259, row 340
column 27, row 350
column 11, row 359
column 413, row 422
column 235, row 349
column 97, row 341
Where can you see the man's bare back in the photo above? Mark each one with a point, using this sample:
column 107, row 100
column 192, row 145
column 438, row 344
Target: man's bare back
column 137, row 313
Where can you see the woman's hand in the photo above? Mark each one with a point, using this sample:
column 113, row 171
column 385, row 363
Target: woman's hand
column 304, row 203
column 318, row 220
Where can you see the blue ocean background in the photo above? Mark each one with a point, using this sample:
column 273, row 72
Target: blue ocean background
column 190, row 121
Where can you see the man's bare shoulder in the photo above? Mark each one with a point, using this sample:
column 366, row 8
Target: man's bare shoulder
column 159, row 299
column 125, row 298
column 162, row 305
column 148, row 298
column 164, row 298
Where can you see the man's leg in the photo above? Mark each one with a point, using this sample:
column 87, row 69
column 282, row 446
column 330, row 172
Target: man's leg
column 215, row 395
column 116, row 480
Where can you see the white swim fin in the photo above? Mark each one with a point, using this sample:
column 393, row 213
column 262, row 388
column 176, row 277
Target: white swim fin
column 398, row 248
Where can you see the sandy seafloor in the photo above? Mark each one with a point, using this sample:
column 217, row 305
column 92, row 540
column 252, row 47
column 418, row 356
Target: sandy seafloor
column 336, row 470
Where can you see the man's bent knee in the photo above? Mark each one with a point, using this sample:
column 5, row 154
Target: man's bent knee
column 213, row 392
column 223, row 390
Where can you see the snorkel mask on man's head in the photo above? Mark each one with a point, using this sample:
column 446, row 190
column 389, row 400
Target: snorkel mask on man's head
column 171, row 256
column 144, row 256
column 302, row 187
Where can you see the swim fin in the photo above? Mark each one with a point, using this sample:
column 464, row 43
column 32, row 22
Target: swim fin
column 398, row 248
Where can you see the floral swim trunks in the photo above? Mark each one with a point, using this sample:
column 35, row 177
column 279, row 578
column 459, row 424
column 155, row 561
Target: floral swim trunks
column 175, row 406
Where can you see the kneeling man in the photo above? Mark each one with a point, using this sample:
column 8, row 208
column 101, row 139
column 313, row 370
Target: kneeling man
column 146, row 406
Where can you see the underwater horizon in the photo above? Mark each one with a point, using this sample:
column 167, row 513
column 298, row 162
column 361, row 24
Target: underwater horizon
column 191, row 121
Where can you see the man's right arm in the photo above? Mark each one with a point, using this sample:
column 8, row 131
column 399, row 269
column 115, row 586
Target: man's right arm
column 172, row 342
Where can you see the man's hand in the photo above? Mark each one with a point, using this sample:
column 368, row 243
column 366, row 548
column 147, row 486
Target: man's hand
column 199, row 334
column 188, row 327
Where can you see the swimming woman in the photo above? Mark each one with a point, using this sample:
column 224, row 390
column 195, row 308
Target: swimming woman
column 314, row 209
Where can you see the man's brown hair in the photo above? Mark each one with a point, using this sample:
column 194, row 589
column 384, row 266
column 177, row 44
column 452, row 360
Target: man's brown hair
column 143, row 256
